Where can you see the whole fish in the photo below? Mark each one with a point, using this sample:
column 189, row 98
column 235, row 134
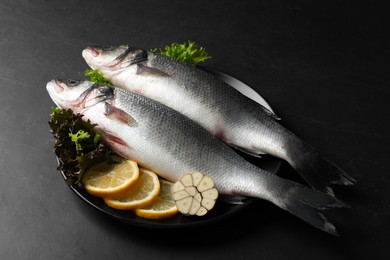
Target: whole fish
column 165, row 141
column 222, row 110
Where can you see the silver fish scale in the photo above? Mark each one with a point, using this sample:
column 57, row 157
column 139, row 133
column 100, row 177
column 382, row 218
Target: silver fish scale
column 186, row 146
column 237, row 120
column 198, row 82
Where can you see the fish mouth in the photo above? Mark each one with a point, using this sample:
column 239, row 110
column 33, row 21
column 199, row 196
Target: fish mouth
column 89, row 53
column 58, row 88
column 54, row 88
column 94, row 51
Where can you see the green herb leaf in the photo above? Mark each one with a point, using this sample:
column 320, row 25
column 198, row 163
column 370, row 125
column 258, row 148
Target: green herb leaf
column 77, row 152
column 78, row 138
column 96, row 76
column 188, row 52
column 54, row 111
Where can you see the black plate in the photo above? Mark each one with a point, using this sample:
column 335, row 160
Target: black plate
column 221, row 209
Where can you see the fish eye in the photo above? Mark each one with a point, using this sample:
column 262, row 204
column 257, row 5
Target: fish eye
column 72, row 82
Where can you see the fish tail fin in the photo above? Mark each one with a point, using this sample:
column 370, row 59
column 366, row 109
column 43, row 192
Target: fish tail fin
column 305, row 203
column 318, row 171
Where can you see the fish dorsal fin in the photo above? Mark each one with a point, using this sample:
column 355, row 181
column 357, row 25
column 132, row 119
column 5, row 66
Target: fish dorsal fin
column 145, row 70
column 118, row 114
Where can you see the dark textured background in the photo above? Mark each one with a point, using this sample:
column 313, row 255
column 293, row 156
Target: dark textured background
column 323, row 67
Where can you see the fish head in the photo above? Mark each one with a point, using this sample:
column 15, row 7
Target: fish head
column 112, row 58
column 77, row 95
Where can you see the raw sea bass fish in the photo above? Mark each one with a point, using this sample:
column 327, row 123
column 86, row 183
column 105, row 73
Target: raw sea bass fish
column 223, row 111
column 165, row 141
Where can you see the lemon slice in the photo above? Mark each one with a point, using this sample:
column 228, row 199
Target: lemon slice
column 109, row 179
column 138, row 195
column 162, row 207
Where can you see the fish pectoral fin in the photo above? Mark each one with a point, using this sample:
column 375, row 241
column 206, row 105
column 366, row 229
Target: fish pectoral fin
column 118, row 114
column 144, row 70
column 113, row 139
column 247, row 151
column 116, row 143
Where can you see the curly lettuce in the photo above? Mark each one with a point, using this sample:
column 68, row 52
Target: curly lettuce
column 187, row 52
column 77, row 145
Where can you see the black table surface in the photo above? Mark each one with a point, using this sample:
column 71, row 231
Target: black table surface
column 323, row 67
